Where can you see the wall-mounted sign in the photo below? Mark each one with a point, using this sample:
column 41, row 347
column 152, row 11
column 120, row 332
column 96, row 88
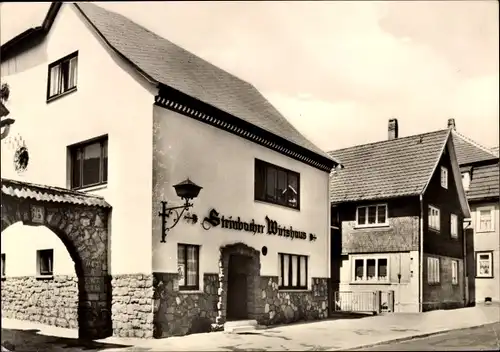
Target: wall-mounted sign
column 271, row 227
column 37, row 214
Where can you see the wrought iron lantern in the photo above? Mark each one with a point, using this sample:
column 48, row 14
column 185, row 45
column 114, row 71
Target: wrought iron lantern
column 186, row 190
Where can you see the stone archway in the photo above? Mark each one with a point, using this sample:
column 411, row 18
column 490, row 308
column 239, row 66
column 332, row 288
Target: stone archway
column 81, row 222
column 253, row 282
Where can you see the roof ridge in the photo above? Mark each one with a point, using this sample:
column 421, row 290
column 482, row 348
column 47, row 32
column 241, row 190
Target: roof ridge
column 474, row 143
column 386, row 141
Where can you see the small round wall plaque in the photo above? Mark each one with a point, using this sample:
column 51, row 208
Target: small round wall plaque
column 264, row 251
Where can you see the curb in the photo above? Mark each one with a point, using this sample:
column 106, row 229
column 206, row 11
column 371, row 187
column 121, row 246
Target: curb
column 413, row 337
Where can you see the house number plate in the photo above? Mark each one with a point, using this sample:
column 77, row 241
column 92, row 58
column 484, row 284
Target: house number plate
column 37, row 214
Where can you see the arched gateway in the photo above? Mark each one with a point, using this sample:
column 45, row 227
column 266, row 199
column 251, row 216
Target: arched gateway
column 81, row 222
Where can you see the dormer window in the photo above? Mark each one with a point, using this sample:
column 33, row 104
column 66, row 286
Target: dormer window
column 444, row 177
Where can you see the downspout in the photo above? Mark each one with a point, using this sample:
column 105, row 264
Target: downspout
column 421, row 257
column 465, row 275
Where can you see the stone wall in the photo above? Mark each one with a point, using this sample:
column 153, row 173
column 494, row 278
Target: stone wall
column 282, row 307
column 180, row 313
column 47, row 301
column 132, row 305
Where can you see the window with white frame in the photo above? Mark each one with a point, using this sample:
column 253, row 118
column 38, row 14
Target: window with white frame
column 292, row 271
column 466, row 180
column 454, row 272
column 485, row 219
column 433, row 270
column 484, row 264
column 434, row 218
column 444, row 177
column 371, row 270
column 45, row 262
column 372, row 215
column 454, row 226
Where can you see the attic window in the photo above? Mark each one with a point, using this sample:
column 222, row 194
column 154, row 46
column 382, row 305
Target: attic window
column 444, row 177
column 466, row 180
column 63, row 75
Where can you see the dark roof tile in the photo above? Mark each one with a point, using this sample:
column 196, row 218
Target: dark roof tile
column 485, row 182
column 468, row 151
column 387, row 169
column 171, row 65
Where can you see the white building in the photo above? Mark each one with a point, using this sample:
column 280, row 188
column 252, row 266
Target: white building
column 106, row 107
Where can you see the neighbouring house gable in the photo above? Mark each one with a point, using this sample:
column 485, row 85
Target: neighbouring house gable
column 470, row 152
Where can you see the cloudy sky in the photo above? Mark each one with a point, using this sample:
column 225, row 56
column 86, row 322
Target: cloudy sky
column 339, row 70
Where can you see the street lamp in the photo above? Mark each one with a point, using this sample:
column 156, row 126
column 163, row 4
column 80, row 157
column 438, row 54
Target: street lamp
column 186, row 190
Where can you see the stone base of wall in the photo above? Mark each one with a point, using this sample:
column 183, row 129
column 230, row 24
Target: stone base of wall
column 48, row 301
column 132, row 305
column 181, row 313
column 178, row 313
column 281, row 307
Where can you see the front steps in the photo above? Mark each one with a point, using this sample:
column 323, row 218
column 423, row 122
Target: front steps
column 240, row 326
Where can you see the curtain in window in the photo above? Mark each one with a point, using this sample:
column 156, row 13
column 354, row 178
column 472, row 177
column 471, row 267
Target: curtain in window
column 293, row 189
column 484, row 264
column 105, row 161
column 77, row 169
column 55, row 81
column 303, row 272
column 192, row 265
column 280, row 275
column 485, row 219
column 271, row 183
column 286, row 266
column 282, row 188
column 73, row 67
column 92, row 164
column 181, row 265
column 362, row 216
column 372, row 215
column 381, row 214
column 295, row 270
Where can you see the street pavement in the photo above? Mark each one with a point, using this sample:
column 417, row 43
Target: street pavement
column 326, row 335
column 483, row 338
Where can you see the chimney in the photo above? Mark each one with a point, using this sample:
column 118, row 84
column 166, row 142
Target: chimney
column 393, row 129
column 451, row 124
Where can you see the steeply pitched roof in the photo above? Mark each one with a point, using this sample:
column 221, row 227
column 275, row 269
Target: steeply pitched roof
column 386, row 169
column 468, row 151
column 485, row 182
column 167, row 63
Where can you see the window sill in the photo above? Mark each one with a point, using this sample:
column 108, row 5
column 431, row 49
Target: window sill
column 370, row 283
column 277, row 204
column 485, row 231
column 191, row 292
column 45, row 277
column 293, row 290
column 55, row 97
column 434, row 230
column 91, row 188
column 484, row 277
column 358, row 227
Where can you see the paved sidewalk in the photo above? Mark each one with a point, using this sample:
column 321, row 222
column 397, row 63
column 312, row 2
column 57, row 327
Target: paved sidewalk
column 327, row 335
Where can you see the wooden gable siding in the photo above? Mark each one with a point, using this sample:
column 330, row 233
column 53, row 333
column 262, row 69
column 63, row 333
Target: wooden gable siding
column 401, row 234
column 447, row 201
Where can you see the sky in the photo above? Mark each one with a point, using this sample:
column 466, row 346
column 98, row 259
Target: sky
column 338, row 71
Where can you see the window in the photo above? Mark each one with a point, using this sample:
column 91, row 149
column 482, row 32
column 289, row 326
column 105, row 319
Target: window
column 484, row 264
column 89, row 163
column 188, row 266
column 485, row 219
column 373, row 215
column 293, row 271
column 3, row 264
column 45, row 260
column 434, row 219
column 433, row 270
column 444, row 177
column 62, row 76
column 454, row 226
column 276, row 185
column 454, row 272
column 466, row 180
column 371, row 269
